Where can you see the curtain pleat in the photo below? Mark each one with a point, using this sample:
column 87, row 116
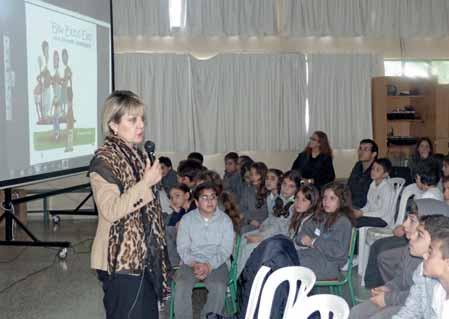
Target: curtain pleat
column 230, row 102
column 339, row 91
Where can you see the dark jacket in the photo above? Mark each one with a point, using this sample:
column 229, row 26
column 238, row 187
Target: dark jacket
column 319, row 168
column 359, row 182
column 275, row 252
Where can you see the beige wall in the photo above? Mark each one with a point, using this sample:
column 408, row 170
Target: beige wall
column 344, row 160
column 202, row 48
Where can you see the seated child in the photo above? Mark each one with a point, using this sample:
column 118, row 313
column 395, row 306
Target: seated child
column 386, row 300
column 205, row 240
column 232, row 181
column 436, row 265
column 377, row 211
column 253, row 204
column 226, row 200
column 187, row 171
column 325, row 237
column 427, row 178
column 179, row 202
column 169, row 177
column 273, row 185
column 275, row 224
column 307, row 202
column 180, row 205
column 419, row 302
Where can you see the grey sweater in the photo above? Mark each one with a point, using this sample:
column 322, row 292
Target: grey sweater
column 249, row 209
column 403, row 280
column 330, row 248
column 233, row 183
column 419, row 302
column 205, row 240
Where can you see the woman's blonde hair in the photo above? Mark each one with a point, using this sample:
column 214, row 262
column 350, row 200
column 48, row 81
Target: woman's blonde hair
column 117, row 104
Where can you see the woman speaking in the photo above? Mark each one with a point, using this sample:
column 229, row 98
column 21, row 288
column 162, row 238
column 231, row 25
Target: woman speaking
column 129, row 249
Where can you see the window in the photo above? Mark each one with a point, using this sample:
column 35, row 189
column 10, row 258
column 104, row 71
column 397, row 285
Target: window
column 177, row 11
column 441, row 70
column 419, row 69
column 393, row 68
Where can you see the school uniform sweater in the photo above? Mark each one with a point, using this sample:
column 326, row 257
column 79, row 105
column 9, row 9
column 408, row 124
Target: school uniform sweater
column 379, row 201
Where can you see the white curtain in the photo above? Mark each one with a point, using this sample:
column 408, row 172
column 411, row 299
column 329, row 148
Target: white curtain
column 134, row 18
column 231, row 102
column 163, row 81
column 249, row 102
column 339, row 91
column 368, row 18
column 297, row 18
column 231, row 17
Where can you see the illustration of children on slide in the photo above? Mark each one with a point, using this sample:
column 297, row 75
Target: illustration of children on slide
column 66, row 80
column 53, row 96
column 70, row 121
column 42, row 92
column 56, row 82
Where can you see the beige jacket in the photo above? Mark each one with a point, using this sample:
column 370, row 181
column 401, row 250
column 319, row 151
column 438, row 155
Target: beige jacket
column 111, row 207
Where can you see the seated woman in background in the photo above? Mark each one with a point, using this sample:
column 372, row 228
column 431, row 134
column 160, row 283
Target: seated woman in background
column 324, row 238
column 423, row 154
column 315, row 162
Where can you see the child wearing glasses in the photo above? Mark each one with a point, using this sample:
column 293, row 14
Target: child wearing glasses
column 204, row 243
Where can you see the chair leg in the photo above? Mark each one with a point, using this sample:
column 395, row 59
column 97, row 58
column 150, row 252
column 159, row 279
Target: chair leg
column 339, row 291
column 172, row 300
column 351, row 292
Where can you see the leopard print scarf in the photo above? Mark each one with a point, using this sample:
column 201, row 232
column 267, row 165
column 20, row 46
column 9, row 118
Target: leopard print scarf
column 137, row 240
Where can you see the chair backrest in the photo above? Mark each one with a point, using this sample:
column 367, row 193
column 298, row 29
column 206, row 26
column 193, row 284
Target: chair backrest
column 292, row 274
column 408, row 192
column 398, row 184
column 351, row 252
column 323, row 303
column 255, row 291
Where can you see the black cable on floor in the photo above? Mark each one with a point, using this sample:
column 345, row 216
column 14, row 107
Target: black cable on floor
column 29, row 275
column 72, row 247
column 14, row 258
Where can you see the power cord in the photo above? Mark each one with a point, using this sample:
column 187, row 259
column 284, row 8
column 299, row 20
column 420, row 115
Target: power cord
column 14, row 258
column 29, row 275
column 56, row 257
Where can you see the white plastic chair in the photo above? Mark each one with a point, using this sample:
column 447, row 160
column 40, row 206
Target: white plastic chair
column 323, row 303
column 363, row 254
column 255, row 291
column 292, row 274
column 378, row 233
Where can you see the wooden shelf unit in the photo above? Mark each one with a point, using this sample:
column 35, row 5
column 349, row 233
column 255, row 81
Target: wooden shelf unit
column 432, row 113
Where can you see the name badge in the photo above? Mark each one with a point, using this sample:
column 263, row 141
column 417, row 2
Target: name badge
column 317, row 232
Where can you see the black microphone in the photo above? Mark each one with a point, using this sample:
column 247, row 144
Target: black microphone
column 150, row 147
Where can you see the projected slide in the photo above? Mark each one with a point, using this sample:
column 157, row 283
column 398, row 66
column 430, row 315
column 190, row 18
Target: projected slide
column 55, row 73
column 62, row 83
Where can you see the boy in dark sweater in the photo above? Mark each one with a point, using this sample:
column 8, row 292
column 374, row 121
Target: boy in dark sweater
column 232, row 181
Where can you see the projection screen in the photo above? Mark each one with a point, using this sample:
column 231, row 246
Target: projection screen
column 55, row 72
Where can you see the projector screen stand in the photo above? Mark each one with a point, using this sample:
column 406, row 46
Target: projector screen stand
column 9, row 217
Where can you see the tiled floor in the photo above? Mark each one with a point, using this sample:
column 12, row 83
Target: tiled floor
column 43, row 287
